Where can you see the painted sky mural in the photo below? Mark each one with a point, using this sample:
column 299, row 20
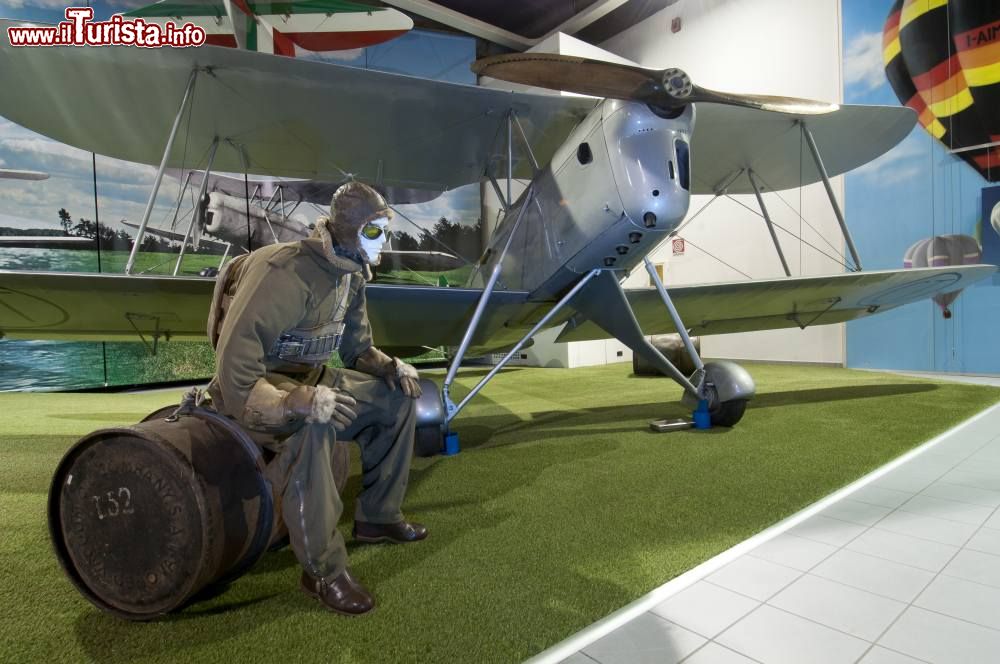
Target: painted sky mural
column 67, row 200
column 917, row 190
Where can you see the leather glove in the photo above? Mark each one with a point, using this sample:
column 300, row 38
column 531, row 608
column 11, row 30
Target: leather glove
column 321, row 404
column 408, row 378
column 298, row 403
column 392, row 370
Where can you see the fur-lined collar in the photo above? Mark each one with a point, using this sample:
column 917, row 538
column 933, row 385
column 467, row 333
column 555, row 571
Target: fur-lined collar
column 321, row 242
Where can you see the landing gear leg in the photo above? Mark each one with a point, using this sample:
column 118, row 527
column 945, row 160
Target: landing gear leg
column 724, row 388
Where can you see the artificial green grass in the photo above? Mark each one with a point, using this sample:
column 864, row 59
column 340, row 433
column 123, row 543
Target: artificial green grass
column 562, row 508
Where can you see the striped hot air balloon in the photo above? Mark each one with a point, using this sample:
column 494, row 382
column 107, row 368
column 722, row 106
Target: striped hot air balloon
column 942, row 59
column 941, row 251
column 276, row 26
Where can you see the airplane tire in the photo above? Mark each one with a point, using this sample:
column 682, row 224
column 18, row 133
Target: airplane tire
column 727, row 414
column 429, row 441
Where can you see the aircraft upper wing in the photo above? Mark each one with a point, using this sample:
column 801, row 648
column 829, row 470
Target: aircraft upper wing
column 291, row 117
column 307, row 191
column 728, row 139
column 769, row 304
column 113, row 307
column 296, row 118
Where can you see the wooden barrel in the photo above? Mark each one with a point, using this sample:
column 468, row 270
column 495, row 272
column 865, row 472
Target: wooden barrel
column 144, row 517
column 673, row 349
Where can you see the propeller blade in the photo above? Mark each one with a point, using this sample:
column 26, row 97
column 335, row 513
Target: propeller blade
column 571, row 74
column 777, row 104
column 666, row 89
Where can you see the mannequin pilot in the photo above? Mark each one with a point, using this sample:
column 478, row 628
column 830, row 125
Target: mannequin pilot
column 287, row 308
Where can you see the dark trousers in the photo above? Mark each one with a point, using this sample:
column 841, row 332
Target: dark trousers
column 303, row 475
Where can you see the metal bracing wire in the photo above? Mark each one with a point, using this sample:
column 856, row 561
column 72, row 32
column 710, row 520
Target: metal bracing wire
column 426, row 232
column 711, row 255
column 834, row 258
column 802, row 220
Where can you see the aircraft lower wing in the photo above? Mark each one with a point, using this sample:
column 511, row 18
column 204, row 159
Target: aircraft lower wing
column 113, row 307
column 172, row 235
column 769, row 304
column 422, row 261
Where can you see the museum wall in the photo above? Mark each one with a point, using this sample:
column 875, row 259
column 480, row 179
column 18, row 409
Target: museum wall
column 101, row 198
column 918, row 191
column 784, row 47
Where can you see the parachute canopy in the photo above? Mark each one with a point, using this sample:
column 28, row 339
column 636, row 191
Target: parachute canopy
column 942, row 59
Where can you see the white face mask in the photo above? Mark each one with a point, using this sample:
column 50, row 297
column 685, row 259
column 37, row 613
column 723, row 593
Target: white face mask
column 371, row 249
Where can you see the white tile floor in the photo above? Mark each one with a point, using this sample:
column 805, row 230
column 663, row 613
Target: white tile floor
column 904, row 568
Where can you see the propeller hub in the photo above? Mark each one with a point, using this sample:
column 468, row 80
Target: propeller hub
column 677, row 84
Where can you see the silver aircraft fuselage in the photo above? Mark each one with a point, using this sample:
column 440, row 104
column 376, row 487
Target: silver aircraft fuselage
column 615, row 189
column 226, row 220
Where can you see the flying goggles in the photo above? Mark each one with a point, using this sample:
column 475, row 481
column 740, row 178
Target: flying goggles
column 371, row 231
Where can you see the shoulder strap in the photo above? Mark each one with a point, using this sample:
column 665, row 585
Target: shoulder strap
column 340, row 312
column 222, row 295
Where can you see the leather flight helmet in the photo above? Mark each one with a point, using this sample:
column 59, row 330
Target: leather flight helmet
column 354, row 204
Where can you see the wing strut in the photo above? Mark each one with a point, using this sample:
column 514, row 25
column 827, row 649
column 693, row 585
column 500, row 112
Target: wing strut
column 718, row 390
column 196, row 216
column 674, row 316
column 512, row 122
column 770, row 224
column 450, row 406
column 180, row 199
column 811, row 142
column 453, row 410
column 159, row 172
column 605, row 304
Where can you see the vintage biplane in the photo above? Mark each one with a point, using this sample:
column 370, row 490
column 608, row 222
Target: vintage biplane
column 610, row 178
column 227, row 214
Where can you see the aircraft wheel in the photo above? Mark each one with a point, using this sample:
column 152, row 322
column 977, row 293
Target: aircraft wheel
column 429, row 441
column 431, row 420
column 730, row 387
column 727, row 414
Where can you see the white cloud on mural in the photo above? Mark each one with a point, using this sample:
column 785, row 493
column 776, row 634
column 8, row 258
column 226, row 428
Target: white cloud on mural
column 123, row 186
column 43, row 146
column 863, row 61
column 459, row 205
column 907, row 160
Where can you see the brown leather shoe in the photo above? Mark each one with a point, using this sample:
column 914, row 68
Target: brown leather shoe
column 398, row 533
column 342, row 594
